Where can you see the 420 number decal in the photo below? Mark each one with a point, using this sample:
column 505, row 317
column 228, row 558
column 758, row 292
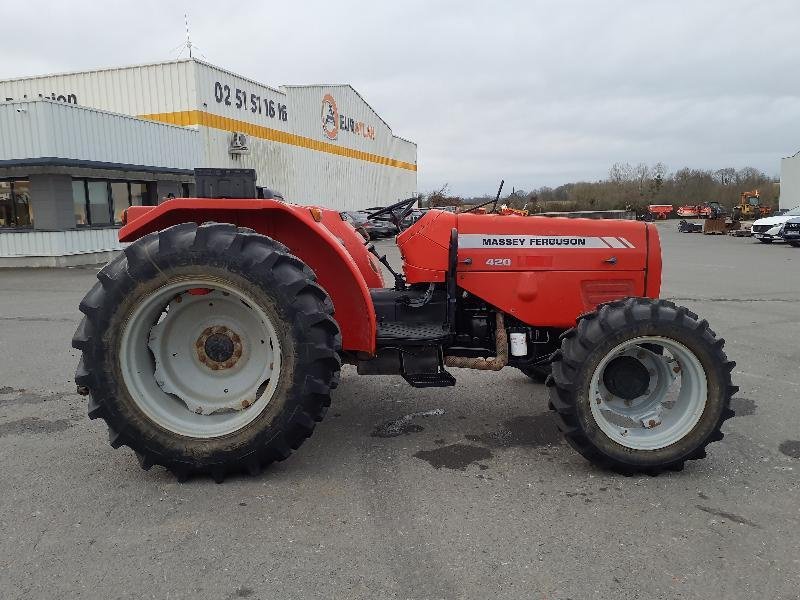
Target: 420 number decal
column 498, row 262
column 240, row 99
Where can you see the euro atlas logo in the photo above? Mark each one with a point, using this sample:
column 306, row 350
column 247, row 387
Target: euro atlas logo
column 333, row 122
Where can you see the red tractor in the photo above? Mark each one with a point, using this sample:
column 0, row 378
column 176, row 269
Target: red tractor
column 213, row 342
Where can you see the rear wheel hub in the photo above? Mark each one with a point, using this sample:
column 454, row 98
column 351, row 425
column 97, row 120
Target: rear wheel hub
column 218, row 347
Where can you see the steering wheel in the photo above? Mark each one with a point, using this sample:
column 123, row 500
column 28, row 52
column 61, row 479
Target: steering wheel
column 406, row 205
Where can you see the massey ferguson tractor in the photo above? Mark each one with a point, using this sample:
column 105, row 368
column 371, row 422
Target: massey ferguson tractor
column 212, row 344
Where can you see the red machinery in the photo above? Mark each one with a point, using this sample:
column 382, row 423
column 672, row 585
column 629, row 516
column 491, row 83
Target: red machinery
column 213, row 342
column 660, row 211
column 703, row 211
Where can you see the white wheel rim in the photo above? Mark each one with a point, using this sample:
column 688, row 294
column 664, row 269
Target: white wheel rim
column 667, row 411
column 201, row 364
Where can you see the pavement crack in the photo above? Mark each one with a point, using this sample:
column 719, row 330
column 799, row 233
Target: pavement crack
column 726, row 515
column 40, row 319
column 404, row 425
column 737, row 300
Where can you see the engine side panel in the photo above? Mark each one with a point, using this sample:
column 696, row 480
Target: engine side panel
column 327, row 253
column 547, row 271
column 424, row 247
column 511, row 243
column 550, row 298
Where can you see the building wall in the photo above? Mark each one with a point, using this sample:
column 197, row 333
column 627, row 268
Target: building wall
column 136, row 90
column 288, row 146
column 790, row 182
column 48, row 129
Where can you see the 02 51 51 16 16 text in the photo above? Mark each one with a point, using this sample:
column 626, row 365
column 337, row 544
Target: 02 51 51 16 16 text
column 242, row 100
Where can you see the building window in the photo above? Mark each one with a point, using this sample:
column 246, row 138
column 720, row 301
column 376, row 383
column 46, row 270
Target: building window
column 99, row 203
column 139, row 194
column 79, row 202
column 15, row 204
column 120, row 199
column 99, row 211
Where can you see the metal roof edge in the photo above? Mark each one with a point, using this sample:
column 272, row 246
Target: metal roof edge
column 99, row 70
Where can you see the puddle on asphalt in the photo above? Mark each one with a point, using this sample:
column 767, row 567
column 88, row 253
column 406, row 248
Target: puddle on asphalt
column 530, row 431
column 743, row 407
column 455, row 456
column 34, row 425
column 790, row 448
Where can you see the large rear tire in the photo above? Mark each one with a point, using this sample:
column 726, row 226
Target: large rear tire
column 641, row 386
column 207, row 349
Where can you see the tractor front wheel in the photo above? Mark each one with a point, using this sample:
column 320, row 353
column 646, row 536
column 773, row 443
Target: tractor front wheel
column 537, row 374
column 207, row 349
column 641, row 386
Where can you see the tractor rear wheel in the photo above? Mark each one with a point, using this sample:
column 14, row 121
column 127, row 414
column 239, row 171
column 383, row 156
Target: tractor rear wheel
column 207, row 349
column 641, row 386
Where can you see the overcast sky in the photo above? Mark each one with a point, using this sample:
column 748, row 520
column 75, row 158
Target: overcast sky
column 537, row 93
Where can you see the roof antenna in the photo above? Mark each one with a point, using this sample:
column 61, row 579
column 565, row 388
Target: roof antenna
column 187, row 45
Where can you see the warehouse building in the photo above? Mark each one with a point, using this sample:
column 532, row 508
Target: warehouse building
column 76, row 149
column 790, row 182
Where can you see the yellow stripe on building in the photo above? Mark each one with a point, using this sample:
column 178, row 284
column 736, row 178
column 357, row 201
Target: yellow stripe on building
column 188, row 118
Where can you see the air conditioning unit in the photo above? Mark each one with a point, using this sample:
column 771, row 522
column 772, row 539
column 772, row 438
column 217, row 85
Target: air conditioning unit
column 238, row 144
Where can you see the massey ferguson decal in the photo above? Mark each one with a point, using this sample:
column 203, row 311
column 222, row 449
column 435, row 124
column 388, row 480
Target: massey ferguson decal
column 477, row 240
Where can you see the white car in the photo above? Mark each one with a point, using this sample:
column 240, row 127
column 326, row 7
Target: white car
column 767, row 229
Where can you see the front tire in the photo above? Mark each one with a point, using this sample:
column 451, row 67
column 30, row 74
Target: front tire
column 538, row 374
column 207, row 349
column 641, row 386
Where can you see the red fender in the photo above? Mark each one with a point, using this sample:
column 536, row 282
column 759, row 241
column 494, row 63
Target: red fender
column 294, row 226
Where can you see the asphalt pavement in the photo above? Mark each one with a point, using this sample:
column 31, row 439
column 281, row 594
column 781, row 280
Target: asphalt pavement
column 462, row 492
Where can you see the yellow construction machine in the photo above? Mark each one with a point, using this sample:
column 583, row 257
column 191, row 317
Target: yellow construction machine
column 750, row 207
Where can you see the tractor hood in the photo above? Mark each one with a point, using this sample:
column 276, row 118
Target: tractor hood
column 541, row 270
column 516, row 243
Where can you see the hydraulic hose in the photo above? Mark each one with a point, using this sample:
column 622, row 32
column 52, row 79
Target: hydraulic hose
column 494, row 363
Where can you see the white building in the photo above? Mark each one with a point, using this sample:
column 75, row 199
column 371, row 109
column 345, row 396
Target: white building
column 790, row 182
column 77, row 148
